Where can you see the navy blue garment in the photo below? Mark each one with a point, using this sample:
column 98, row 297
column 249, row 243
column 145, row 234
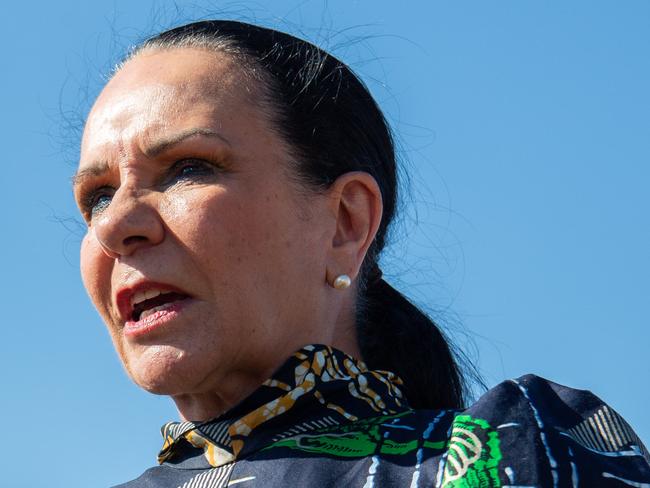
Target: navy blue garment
column 325, row 420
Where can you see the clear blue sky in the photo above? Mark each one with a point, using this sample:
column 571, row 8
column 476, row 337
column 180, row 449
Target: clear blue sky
column 525, row 127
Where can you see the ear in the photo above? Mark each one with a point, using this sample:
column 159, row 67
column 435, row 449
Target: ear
column 355, row 200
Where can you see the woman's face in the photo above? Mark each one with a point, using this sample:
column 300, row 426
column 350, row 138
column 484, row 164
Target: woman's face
column 205, row 260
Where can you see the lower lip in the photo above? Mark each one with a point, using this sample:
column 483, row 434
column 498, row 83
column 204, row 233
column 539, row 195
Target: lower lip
column 154, row 321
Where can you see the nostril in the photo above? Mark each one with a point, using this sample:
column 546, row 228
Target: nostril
column 134, row 240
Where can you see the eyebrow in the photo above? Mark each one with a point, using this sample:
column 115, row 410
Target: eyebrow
column 158, row 147
column 96, row 169
column 164, row 144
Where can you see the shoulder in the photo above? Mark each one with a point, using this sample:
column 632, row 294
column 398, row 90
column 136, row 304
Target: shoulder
column 534, row 431
column 544, row 404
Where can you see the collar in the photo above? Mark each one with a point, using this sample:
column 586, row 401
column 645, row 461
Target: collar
column 317, row 387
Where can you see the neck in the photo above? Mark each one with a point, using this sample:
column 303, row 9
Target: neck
column 205, row 405
column 220, row 396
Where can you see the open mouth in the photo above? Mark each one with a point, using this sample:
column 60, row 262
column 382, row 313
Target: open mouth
column 146, row 303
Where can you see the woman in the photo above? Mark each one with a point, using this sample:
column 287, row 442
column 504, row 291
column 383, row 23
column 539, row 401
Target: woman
column 238, row 184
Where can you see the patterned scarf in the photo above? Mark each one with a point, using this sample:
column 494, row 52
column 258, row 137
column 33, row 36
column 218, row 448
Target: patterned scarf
column 317, row 387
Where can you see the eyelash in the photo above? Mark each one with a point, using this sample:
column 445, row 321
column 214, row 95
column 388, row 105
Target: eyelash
column 202, row 169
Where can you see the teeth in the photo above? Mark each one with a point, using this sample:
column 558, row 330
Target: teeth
column 141, row 296
column 152, row 293
column 151, row 311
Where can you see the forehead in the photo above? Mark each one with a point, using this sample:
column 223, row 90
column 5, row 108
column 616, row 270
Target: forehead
column 163, row 88
column 180, row 68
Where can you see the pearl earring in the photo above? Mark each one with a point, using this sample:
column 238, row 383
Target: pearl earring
column 341, row 282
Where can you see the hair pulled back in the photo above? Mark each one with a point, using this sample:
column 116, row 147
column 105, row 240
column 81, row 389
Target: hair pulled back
column 332, row 126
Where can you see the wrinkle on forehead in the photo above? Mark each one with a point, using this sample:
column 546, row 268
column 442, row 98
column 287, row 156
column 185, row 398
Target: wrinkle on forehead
column 154, row 86
column 121, row 118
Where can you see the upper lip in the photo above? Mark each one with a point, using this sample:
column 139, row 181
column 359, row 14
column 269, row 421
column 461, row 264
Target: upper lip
column 124, row 295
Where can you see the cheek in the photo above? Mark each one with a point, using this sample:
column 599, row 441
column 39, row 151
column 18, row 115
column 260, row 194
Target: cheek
column 247, row 247
column 220, row 225
column 96, row 269
column 95, row 273
column 242, row 233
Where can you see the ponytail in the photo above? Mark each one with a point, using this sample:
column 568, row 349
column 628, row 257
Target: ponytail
column 395, row 335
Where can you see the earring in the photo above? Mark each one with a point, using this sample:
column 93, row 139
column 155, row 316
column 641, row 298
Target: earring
column 341, row 282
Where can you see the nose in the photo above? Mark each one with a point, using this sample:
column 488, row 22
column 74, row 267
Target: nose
column 129, row 223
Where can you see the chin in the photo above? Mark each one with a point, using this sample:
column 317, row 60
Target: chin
column 161, row 370
column 156, row 383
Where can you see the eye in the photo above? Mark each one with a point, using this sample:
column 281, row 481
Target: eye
column 97, row 201
column 191, row 169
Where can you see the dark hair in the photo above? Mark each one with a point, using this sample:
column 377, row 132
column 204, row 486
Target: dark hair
column 333, row 126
